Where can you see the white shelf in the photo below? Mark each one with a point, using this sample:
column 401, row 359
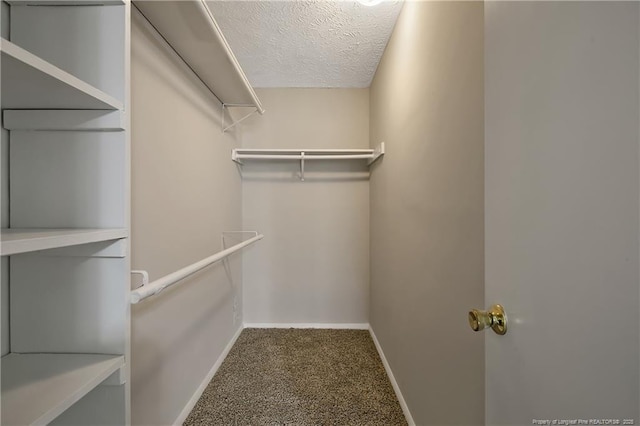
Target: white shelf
column 65, row 2
column 371, row 155
column 16, row 241
column 302, row 155
column 29, row 82
column 37, row 388
column 189, row 28
column 63, row 120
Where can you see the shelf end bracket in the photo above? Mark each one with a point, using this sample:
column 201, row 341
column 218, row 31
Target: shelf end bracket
column 235, row 123
column 377, row 153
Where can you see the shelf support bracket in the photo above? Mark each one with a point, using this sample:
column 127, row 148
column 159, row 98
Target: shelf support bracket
column 235, row 123
column 377, row 153
column 234, row 157
column 302, row 166
column 255, row 234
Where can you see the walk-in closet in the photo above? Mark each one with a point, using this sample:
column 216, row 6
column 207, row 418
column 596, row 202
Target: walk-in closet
column 319, row 212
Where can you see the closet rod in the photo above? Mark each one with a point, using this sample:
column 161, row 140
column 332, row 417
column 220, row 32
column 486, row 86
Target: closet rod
column 160, row 284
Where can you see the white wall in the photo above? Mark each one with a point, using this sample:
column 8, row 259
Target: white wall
column 186, row 192
column 562, row 114
column 427, row 255
column 313, row 264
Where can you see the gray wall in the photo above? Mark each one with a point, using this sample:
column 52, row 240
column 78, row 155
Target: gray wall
column 427, row 219
column 185, row 192
column 313, row 264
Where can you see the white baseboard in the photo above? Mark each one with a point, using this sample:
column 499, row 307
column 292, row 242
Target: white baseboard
column 198, row 393
column 337, row 326
column 396, row 388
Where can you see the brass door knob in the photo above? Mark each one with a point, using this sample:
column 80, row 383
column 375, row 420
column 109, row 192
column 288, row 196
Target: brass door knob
column 495, row 318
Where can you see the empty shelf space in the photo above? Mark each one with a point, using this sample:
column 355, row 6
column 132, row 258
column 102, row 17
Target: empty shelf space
column 16, row 241
column 37, row 388
column 29, row 82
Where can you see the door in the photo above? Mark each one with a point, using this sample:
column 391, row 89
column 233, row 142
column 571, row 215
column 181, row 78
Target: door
column 562, row 193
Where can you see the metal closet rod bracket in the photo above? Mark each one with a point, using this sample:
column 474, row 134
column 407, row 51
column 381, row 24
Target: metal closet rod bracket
column 144, row 274
column 235, row 123
column 377, row 153
column 254, row 233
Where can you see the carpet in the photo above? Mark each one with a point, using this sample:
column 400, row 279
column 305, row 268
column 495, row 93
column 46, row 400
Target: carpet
column 299, row 377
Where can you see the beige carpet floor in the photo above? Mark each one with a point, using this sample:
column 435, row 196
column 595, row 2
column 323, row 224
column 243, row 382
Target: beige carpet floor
column 300, row 377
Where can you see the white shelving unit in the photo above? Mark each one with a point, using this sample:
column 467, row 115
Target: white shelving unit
column 65, row 212
column 371, row 155
column 192, row 32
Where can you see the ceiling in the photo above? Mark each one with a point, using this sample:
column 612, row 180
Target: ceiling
column 299, row 43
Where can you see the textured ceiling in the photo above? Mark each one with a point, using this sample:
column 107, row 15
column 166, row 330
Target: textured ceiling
column 307, row 43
